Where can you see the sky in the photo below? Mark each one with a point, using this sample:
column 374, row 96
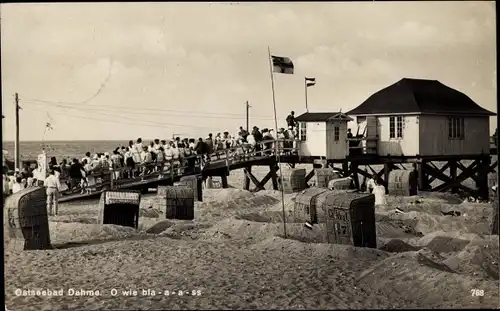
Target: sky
column 118, row 71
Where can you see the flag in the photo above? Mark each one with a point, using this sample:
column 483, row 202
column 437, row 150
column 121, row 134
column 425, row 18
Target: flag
column 49, row 126
column 282, row 65
column 310, row 82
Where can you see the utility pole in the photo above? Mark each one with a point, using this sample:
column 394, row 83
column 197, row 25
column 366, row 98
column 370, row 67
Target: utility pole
column 16, row 143
column 247, row 114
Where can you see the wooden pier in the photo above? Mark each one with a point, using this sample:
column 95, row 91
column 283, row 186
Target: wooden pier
column 223, row 162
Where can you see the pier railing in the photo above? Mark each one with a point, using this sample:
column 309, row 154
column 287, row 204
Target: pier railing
column 362, row 145
column 112, row 178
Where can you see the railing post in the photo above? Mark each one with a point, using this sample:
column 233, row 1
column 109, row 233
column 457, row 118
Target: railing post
column 111, row 177
column 227, row 157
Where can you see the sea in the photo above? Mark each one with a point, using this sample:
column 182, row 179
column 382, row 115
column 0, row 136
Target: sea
column 29, row 150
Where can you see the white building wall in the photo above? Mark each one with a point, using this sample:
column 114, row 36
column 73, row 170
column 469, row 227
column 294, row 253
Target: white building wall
column 408, row 145
column 315, row 144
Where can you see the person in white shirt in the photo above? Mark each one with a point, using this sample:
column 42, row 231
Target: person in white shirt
column 176, row 156
column 379, row 192
column 372, row 182
column 137, row 151
column 218, row 145
column 6, row 187
column 95, row 163
column 86, row 157
column 12, row 180
column 129, row 162
column 157, row 145
column 169, row 156
column 160, row 157
column 57, row 174
column 52, row 185
column 146, row 160
column 17, row 186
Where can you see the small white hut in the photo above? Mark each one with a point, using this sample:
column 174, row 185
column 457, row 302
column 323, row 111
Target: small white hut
column 323, row 134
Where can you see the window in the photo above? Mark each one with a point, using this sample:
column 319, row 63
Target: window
column 360, row 120
column 456, row 128
column 336, row 133
column 396, row 127
column 303, row 131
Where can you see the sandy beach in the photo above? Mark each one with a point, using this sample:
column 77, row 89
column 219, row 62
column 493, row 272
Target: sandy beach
column 234, row 256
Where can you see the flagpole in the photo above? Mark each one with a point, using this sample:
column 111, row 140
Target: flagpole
column 305, row 86
column 276, row 143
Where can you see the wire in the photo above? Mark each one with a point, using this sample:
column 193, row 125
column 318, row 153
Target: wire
column 145, row 113
column 150, row 124
column 155, row 110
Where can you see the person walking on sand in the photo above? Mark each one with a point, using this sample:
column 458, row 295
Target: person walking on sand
column 379, row 192
column 52, row 185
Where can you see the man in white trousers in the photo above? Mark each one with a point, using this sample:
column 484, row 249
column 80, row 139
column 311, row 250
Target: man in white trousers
column 52, row 185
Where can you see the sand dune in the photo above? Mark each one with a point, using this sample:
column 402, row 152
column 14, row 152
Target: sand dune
column 235, row 256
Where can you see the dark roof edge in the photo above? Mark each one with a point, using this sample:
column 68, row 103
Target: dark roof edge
column 475, row 114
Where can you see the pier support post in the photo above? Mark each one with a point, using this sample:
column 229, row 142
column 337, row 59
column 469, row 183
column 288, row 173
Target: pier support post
column 453, row 175
column 345, row 168
column 223, row 179
column 482, row 180
column 274, row 176
column 387, row 170
column 355, row 176
column 246, row 182
column 199, row 188
column 423, row 180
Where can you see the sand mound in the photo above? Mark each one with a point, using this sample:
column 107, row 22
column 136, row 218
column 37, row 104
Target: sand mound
column 269, row 216
column 160, row 226
column 149, row 212
column 258, row 231
column 231, row 194
column 319, row 250
column 421, row 279
column 223, row 203
column 395, row 246
column 479, row 258
column 393, row 228
column 185, row 229
column 84, row 219
column 61, row 232
column 426, row 223
column 445, row 242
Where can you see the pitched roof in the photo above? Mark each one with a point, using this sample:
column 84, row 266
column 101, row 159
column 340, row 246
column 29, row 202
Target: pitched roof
column 419, row 96
column 321, row 116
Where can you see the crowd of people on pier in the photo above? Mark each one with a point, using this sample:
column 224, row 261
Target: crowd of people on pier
column 179, row 155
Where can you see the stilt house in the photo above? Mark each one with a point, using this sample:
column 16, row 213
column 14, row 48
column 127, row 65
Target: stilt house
column 424, row 117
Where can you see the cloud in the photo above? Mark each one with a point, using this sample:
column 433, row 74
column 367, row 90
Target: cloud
column 213, row 58
column 341, row 62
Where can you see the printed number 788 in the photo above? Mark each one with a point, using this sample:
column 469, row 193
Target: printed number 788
column 477, row 292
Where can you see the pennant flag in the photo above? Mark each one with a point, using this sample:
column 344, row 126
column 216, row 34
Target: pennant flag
column 49, row 126
column 310, row 82
column 282, row 65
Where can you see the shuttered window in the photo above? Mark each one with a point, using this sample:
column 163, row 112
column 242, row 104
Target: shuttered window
column 336, row 133
column 456, row 128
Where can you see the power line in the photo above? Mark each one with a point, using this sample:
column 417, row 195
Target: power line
column 150, row 124
column 175, row 113
column 40, row 102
